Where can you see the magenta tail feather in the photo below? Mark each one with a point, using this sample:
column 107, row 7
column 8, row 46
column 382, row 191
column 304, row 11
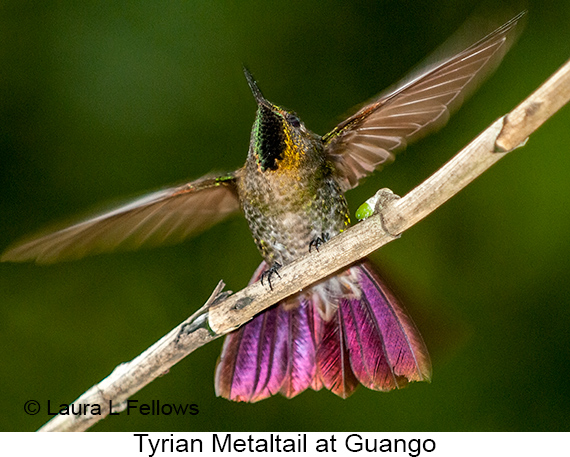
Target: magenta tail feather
column 367, row 338
column 275, row 352
column 333, row 360
column 386, row 350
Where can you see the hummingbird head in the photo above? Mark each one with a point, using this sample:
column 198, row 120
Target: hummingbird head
column 279, row 140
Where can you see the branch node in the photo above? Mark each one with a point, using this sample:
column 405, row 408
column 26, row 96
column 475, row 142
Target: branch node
column 242, row 303
column 502, row 142
column 217, row 295
column 382, row 200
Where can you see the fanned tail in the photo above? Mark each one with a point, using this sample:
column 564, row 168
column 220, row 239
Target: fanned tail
column 347, row 330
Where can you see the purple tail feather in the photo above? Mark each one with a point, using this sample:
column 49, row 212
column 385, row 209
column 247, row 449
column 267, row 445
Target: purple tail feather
column 347, row 330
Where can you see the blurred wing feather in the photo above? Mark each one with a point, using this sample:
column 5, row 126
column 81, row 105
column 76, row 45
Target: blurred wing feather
column 369, row 138
column 164, row 217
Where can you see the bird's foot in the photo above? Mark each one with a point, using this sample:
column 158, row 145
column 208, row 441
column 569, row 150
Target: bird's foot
column 319, row 241
column 270, row 272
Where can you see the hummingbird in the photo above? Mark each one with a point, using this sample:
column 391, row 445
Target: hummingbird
column 347, row 329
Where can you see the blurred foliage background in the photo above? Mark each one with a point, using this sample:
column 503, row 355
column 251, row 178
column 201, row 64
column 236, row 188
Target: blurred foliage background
column 99, row 101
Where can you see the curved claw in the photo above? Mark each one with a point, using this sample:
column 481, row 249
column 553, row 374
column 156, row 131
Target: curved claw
column 270, row 272
column 319, row 241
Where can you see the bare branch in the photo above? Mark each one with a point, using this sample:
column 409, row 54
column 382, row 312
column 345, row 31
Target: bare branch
column 536, row 109
column 128, row 378
column 220, row 316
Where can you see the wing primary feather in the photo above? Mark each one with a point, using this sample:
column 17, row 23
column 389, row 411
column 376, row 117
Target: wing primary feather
column 424, row 102
column 163, row 217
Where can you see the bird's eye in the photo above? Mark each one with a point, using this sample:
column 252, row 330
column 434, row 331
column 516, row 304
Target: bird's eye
column 293, row 120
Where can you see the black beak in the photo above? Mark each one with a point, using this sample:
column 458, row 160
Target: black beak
column 259, row 98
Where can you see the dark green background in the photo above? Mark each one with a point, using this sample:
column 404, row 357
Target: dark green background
column 102, row 101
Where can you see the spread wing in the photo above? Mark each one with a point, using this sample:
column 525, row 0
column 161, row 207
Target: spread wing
column 163, row 217
column 369, row 138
